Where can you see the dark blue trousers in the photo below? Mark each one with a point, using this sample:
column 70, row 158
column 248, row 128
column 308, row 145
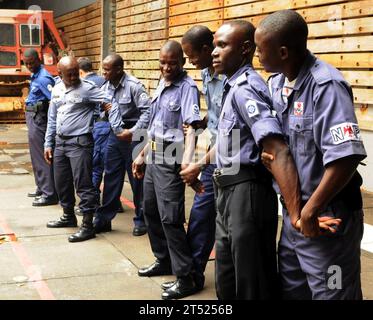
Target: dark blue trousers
column 118, row 161
column 326, row 267
column 43, row 173
column 101, row 132
column 72, row 163
column 201, row 226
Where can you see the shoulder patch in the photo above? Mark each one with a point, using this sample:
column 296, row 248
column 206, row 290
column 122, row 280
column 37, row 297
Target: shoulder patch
column 252, row 108
column 144, row 96
column 346, row 131
column 49, row 87
column 196, row 109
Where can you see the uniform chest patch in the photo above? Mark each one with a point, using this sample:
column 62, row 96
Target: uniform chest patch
column 346, row 131
column 49, row 87
column 252, row 108
column 298, row 108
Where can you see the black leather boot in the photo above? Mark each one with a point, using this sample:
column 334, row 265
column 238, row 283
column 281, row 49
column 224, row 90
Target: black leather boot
column 68, row 220
column 86, row 231
column 182, row 287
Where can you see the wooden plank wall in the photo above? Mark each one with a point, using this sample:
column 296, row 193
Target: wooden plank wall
column 83, row 28
column 340, row 32
column 142, row 28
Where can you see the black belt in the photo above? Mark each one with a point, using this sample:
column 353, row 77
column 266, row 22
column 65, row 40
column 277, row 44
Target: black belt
column 162, row 146
column 128, row 124
column 229, row 176
column 40, row 106
column 64, row 137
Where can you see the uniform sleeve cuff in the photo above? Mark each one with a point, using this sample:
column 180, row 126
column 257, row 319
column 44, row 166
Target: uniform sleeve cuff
column 133, row 129
column 190, row 120
column 118, row 130
column 353, row 148
column 264, row 128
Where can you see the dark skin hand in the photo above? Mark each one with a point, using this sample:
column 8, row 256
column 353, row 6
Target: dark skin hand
column 48, row 155
column 125, row 135
column 337, row 174
column 309, row 222
column 138, row 165
column 106, row 106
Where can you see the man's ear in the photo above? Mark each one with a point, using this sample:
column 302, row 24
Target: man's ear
column 248, row 48
column 284, row 53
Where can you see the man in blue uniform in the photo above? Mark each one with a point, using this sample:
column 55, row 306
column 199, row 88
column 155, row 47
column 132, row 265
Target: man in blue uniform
column 37, row 104
column 315, row 107
column 134, row 107
column 101, row 128
column 197, row 45
column 246, row 222
column 69, row 146
column 176, row 102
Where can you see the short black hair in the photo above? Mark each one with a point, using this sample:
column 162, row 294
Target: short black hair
column 287, row 27
column 172, row 45
column 85, row 64
column 246, row 26
column 198, row 36
column 31, row 52
column 115, row 59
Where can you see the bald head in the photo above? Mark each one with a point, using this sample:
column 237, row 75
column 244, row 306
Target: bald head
column 69, row 71
column 287, row 28
column 68, row 62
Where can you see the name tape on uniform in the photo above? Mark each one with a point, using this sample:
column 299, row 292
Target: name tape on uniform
column 346, row 131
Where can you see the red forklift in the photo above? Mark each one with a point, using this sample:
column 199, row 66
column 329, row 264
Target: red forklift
column 19, row 31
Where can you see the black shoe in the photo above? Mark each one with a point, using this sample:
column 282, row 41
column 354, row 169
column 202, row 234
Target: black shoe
column 156, row 269
column 43, row 201
column 139, row 231
column 86, row 231
column 102, row 227
column 68, row 220
column 167, row 285
column 34, row 194
column 183, row 287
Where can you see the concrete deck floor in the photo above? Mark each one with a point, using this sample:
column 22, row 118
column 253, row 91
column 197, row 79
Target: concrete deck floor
column 42, row 264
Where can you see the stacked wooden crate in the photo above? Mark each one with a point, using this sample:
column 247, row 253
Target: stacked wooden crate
column 83, row 29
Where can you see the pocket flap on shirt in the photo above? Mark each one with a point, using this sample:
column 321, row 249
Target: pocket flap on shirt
column 124, row 100
column 300, row 124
